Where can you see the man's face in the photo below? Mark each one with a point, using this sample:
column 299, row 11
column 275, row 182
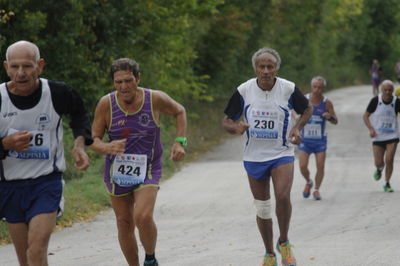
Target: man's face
column 387, row 90
column 23, row 71
column 126, row 84
column 317, row 87
column 266, row 68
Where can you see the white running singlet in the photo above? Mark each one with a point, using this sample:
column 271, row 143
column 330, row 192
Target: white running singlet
column 384, row 120
column 268, row 114
column 46, row 152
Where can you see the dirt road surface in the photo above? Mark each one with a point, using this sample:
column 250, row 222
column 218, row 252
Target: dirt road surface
column 205, row 215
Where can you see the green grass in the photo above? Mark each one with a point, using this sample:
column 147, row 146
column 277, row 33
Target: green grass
column 84, row 197
column 85, row 193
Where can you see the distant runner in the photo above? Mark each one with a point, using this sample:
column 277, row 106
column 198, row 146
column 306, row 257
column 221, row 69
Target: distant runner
column 381, row 121
column 375, row 72
column 314, row 137
column 397, row 71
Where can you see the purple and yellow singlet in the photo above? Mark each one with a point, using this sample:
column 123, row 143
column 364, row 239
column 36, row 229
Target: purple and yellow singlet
column 141, row 164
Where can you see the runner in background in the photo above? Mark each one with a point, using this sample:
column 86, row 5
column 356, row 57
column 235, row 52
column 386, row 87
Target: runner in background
column 314, row 136
column 381, row 121
column 376, row 72
column 397, row 71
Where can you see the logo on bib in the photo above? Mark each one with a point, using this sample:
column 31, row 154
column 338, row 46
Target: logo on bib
column 43, row 121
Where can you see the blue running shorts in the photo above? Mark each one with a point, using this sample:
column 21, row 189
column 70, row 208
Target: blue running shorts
column 315, row 147
column 261, row 170
column 21, row 200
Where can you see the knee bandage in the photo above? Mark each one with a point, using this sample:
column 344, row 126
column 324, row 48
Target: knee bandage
column 263, row 208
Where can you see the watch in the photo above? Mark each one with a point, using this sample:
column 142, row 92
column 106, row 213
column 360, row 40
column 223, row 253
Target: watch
column 182, row 140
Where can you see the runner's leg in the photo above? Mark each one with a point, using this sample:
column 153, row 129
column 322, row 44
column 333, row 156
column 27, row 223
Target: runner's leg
column 260, row 190
column 303, row 164
column 123, row 209
column 282, row 178
column 379, row 153
column 145, row 200
column 389, row 159
column 19, row 237
column 320, row 162
column 39, row 230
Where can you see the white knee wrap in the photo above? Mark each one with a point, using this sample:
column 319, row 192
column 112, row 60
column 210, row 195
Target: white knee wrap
column 263, row 208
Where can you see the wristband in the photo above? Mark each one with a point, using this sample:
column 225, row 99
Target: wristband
column 182, row 140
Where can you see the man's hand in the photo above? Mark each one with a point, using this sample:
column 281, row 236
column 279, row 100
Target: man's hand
column 18, row 141
column 234, row 127
column 81, row 158
column 177, row 152
column 372, row 132
column 326, row 115
column 241, row 127
column 116, row 147
column 294, row 136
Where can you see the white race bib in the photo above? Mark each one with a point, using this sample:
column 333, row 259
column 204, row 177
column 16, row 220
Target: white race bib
column 129, row 169
column 264, row 124
column 387, row 124
column 39, row 146
column 312, row 131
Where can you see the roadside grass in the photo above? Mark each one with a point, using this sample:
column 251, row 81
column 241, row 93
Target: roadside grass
column 85, row 193
column 84, row 197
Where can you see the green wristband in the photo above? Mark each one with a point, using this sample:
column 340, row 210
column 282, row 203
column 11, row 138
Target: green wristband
column 182, row 140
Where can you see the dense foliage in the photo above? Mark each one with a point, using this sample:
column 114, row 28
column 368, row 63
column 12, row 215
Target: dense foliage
column 200, row 49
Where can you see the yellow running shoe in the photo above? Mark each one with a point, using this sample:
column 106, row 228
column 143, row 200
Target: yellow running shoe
column 269, row 260
column 288, row 258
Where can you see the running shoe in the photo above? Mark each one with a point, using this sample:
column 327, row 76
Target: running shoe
column 288, row 258
column 270, row 260
column 150, row 262
column 377, row 174
column 388, row 188
column 307, row 189
column 316, row 195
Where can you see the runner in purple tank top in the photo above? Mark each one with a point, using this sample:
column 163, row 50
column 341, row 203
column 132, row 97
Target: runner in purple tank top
column 133, row 163
column 142, row 133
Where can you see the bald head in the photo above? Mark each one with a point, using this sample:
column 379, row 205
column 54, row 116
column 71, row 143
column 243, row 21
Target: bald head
column 25, row 47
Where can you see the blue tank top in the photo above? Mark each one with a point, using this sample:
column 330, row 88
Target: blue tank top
column 314, row 130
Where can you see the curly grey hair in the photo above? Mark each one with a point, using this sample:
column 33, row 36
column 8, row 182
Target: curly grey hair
column 266, row 50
